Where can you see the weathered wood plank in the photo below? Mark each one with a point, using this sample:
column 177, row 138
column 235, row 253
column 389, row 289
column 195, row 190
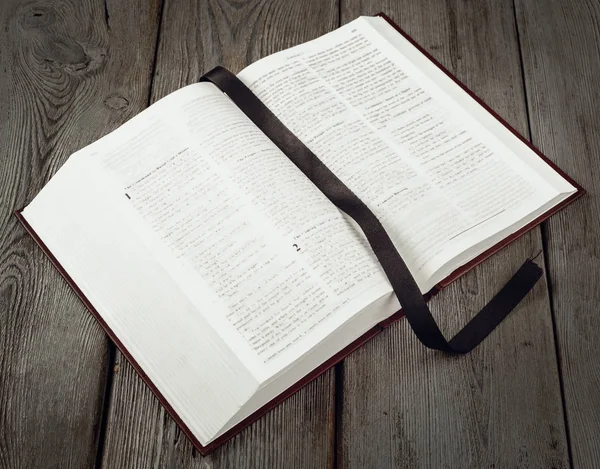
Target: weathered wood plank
column 561, row 58
column 196, row 36
column 62, row 85
column 500, row 406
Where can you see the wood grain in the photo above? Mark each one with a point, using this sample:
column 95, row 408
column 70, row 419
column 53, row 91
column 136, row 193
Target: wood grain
column 194, row 37
column 500, row 406
column 62, row 85
column 562, row 65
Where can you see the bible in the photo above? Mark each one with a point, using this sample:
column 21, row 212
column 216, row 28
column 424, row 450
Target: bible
column 245, row 233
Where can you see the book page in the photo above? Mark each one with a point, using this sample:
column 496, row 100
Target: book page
column 438, row 182
column 212, row 258
column 189, row 364
column 262, row 253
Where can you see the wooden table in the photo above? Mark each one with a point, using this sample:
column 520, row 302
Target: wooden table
column 529, row 397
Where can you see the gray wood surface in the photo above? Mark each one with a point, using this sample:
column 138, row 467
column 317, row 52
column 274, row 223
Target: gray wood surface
column 62, row 86
column 561, row 55
column 500, row 406
column 194, row 37
column 70, row 71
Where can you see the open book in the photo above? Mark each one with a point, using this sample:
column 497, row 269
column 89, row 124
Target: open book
column 225, row 275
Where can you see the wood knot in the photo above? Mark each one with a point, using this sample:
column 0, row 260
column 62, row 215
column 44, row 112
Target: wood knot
column 37, row 17
column 72, row 57
column 116, row 102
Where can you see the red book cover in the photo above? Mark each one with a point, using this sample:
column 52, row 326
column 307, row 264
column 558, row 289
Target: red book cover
column 204, row 450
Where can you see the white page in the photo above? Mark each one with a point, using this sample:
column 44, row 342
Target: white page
column 347, row 333
column 438, row 183
column 268, row 260
column 188, row 362
column 214, row 260
column 446, row 90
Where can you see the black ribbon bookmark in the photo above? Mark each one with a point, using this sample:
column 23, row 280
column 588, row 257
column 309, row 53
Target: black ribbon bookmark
column 411, row 299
